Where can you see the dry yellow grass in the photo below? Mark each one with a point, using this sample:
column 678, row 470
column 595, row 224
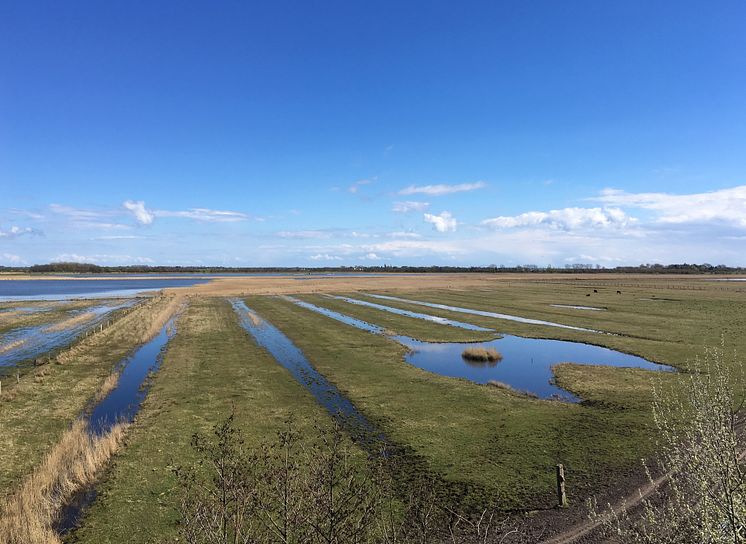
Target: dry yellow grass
column 482, row 354
column 28, row 515
column 72, row 322
column 255, row 319
column 138, row 326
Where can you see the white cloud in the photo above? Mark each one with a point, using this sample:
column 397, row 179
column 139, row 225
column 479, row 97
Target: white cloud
column 564, row 219
column 324, row 257
column 137, row 208
column 410, row 206
column 205, row 215
column 304, row 234
column 117, row 237
column 101, row 259
column 442, row 189
column 9, row 258
column 444, row 222
column 355, row 187
column 16, row 231
column 414, row 248
column 724, row 206
column 80, row 213
column 372, row 257
column 146, row 216
column 403, row 234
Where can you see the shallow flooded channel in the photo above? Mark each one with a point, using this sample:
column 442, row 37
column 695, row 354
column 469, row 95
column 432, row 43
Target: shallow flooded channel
column 483, row 313
column 575, row 307
column 120, row 405
column 288, row 355
column 526, row 363
column 416, row 315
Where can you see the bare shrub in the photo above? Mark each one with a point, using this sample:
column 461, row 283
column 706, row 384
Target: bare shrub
column 701, row 496
column 316, row 491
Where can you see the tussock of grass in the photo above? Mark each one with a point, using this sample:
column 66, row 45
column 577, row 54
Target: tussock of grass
column 28, row 515
column 482, row 354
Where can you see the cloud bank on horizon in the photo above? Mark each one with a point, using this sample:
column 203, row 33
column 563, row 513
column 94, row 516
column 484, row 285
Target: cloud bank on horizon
column 623, row 228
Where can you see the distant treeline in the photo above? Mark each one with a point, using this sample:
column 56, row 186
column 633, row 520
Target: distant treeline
column 85, row 268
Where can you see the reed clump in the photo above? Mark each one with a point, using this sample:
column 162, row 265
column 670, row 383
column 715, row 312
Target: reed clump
column 29, row 514
column 482, row 354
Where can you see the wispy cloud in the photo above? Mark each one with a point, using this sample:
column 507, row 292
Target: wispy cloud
column 118, row 237
column 137, row 208
column 11, row 259
column 355, row 187
column 444, row 222
column 442, row 189
column 403, row 234
column 101, row 259
column 410, row 206
column 146, row 216
column 304, row 234
column 16, row 231
column 325, row 257
column 90, row 218
column 565, row 219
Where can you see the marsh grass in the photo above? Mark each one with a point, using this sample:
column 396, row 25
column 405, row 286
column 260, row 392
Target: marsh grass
column 12, row 345
column 38, row 409
column 482, row 354
column 29, row 514
column 504, row 386
column 71, row 322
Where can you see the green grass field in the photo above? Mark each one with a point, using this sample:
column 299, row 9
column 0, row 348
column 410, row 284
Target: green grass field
column 212, row 368
column 486, row 445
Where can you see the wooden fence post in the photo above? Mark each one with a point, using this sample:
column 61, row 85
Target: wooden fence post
column 561, row 495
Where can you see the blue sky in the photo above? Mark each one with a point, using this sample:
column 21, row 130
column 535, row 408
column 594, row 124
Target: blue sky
column 342, row 133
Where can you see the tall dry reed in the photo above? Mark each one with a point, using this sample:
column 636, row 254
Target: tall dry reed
column 29, row 514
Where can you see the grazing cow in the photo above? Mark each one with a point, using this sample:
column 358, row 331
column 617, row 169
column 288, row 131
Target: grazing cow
column 618, row 292
column 595, row 290
column 587, row 294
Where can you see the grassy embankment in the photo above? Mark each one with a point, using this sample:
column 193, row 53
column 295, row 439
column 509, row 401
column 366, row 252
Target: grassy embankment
column 211, row 365
column 503, row 445
column 35, row 412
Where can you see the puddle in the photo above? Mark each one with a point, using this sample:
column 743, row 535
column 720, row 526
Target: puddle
column 482, row 313
column 526, row 363
column 31, row 342
column 121, row 404
column 573, row 307
column 407, row 313
column 289, row 356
